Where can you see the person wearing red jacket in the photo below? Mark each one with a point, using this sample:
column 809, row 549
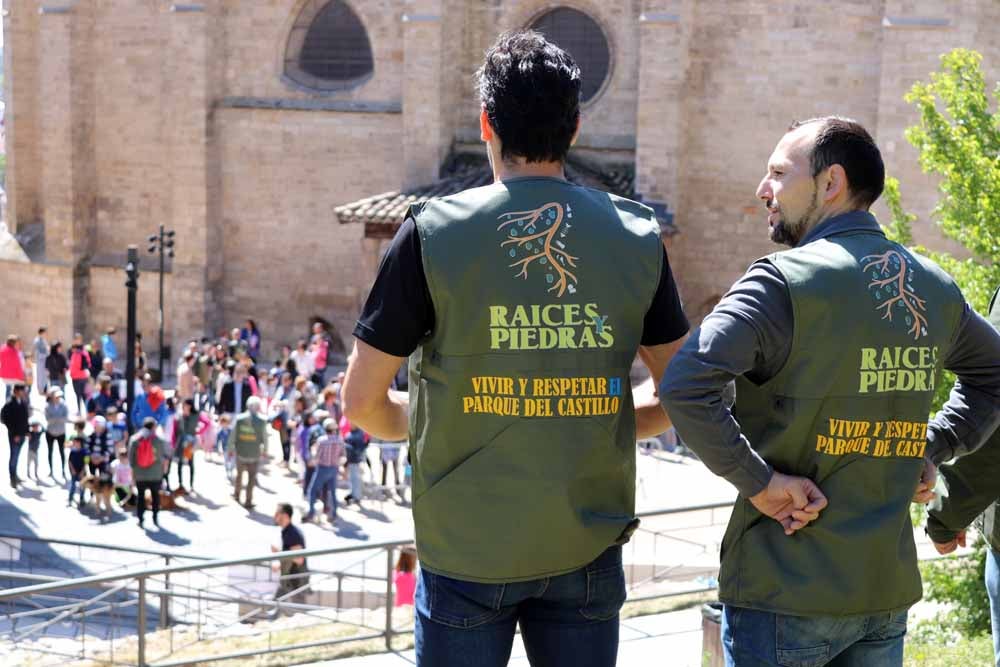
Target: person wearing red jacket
column 80, row 366
column 11, row 364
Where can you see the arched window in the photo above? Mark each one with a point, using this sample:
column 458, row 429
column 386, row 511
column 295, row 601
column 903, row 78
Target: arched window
column 575, row 32
column 328, row 48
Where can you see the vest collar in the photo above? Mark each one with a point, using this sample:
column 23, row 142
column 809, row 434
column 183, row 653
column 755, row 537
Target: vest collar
column 855, row 221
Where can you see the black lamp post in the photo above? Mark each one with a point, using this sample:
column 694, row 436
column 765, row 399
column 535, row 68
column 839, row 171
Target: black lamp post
column 132, row 285
column 162, row 242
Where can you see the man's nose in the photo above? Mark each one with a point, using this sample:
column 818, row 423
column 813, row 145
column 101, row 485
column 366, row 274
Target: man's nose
column 764, row 190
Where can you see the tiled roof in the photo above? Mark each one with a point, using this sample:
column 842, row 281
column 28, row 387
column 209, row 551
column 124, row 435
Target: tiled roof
column 382, row 214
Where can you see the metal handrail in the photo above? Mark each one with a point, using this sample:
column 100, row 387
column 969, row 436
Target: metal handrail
column 99, row 579
column 684, row 509
column 97, row 545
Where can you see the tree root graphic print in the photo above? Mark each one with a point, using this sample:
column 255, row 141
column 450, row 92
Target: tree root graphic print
column 537, row 235
column 897, row 289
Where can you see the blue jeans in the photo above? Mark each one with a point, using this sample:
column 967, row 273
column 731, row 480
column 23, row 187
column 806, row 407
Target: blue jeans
column 993, row 590
column 569, row 620
column 74, row 484
column 323, row 475
column 16, row 442
column 754, row 638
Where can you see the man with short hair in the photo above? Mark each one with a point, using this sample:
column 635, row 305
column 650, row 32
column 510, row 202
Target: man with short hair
column 235, row 392
column 14, row 415
column 834, row 345
column 41, row 348
column 524, row 304
column 294, row 571
column 248, row 439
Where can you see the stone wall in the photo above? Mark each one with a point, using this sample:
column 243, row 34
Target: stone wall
column 753, row 67
column 285, row 257
column 155, row 116
column 36, row 295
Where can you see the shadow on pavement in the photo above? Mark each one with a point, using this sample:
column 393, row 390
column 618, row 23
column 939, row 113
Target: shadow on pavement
column 164, row 536
column 349, row 530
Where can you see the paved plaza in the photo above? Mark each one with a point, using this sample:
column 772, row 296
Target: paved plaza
column 210, row 523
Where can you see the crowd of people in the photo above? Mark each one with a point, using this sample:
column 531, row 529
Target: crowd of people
column 227, row 404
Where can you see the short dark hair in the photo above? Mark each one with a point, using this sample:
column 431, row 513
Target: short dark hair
column 846, row 142
column 530, row 89
column 42, row 330
column 285, row 508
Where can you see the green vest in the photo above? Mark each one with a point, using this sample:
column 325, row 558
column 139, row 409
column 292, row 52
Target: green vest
column 849, row 409
column 521, row 419
column 249, row 436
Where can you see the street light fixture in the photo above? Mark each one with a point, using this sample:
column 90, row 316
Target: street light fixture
column 163, row 243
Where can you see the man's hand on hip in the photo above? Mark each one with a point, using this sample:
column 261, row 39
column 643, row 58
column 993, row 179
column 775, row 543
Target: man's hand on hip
column 793, row 502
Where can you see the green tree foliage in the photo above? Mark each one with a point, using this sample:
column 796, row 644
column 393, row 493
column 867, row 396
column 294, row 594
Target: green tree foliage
column 958, row 582
column 958, row 137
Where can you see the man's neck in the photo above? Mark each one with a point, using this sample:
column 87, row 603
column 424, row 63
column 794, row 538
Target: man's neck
column 504, row 170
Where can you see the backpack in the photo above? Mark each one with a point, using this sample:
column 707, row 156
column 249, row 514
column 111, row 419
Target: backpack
column 144, row 455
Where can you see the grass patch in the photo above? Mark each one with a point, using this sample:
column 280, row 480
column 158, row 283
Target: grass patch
column 975, row 652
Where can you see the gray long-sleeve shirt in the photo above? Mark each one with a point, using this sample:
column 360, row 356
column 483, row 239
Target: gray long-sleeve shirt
column 750, row 333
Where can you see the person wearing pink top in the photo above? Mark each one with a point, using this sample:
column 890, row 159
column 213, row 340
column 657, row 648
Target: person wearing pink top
column 406, row 578
column 11, row 364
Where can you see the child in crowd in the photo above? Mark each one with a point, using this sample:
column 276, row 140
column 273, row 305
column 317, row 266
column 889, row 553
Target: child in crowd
column 117, row 428
column 34, row 441
column 121, row 474
column 220, row 443
column 100, row 446
column 56, row 415
column 406, row 578
column 78, row 459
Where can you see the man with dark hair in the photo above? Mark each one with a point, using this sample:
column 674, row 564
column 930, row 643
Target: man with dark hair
column 292, row 586
column 14, row 415
column 835, row 345
column 522, row 432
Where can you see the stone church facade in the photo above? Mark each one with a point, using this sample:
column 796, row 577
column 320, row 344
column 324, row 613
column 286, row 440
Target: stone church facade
column 282, row 139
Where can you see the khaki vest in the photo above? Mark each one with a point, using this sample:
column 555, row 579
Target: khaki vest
column 849, row 410
column 522, row 426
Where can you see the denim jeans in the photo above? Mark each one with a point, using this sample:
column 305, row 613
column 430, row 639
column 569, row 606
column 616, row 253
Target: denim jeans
column 569, row 620
column 993, row 590
column 754, row 638
column 16, row 442
column 356, row 480
column 324, row 475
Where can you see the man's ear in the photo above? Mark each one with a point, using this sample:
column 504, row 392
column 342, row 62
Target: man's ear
column 836, row 183
column 485, row 129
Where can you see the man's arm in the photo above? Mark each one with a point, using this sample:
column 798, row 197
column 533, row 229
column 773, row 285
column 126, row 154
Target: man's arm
column 748, row 333
column 664, row 330
column 972, row 412
column 650, row 419
column 973, row 484
column 366, row 398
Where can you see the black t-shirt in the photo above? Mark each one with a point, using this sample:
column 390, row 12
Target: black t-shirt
column 399, row 313
column 291, row 536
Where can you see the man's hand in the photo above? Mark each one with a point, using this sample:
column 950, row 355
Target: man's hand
column 791, row 501
column 947, row 547
column 925, row 488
